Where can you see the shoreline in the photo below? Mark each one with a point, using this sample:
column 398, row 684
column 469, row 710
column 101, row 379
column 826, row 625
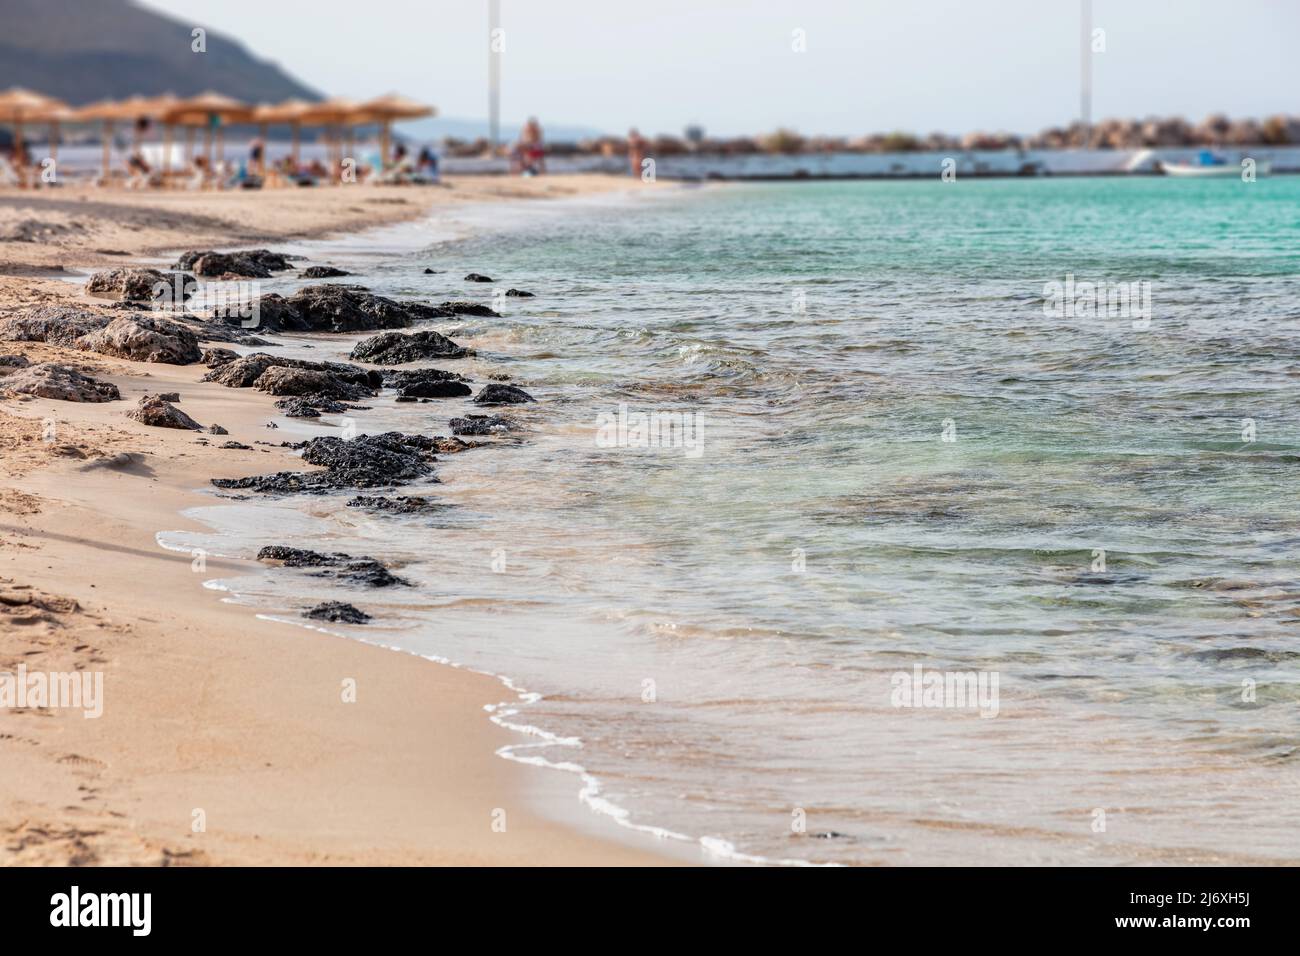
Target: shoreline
column 217, row 714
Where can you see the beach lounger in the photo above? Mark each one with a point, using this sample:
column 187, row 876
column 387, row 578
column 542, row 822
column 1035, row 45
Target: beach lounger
column 8, row 175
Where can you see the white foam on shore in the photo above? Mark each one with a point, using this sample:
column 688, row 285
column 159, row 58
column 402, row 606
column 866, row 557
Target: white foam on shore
column 590, row 793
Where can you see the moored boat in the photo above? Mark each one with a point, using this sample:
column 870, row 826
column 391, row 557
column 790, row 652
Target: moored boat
column 1211, row 165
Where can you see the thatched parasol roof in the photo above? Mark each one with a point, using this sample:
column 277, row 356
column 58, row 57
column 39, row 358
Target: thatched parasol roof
column 18, row 105
column 200, row 110
column 396, row 107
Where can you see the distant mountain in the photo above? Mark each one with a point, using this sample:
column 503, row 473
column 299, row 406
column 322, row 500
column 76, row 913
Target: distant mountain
column 84, row 50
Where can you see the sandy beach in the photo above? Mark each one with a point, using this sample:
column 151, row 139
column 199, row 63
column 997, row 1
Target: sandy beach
column 224, row 738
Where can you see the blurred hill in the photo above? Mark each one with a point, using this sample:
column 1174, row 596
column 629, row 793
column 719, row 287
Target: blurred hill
column 84, row 50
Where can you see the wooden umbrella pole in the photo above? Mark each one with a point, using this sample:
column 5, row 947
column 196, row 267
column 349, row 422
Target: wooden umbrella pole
column 167, row 151
column 207, row 152
column 297, row 133
column 54, row 140
column 20, row 152
column 108, row 151
column 261, row 160
column 383, row 145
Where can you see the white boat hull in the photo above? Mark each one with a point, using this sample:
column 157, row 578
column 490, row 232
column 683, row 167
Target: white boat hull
column 1227, row 171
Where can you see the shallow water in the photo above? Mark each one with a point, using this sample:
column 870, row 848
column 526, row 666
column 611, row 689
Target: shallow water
column 904, row 462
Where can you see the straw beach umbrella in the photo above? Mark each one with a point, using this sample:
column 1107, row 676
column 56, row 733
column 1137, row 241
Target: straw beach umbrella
column 275, row 114
column 19, row 106
column 387, row 109
column 104, row 111
column 133, row 110
column 333, row 114
column 209, row 110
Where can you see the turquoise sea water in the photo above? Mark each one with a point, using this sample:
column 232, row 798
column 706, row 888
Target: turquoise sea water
column 905, row 462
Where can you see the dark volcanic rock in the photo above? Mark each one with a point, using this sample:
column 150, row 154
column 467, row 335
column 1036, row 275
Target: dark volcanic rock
column 142, row 336
column 371, row 573
column 481, row 425
column 476, row 277
column 397, row 348
column 59, row 382
column 53, row 324
column 187, row 259
column 298, row 557
column 497, row 394
column 276, row 314
column 241, row 372
column 399, row 377
column 262, row 259
column 245, row 371
column 283, row 482
column 337, row 612
column 433, row 389
column 217, row 430
column 145, row 338
column 421, row 311
column 314, row 406
column 152, row 410
column 215, row 357
column 223, row 326
column 287, row 380
column 297, row 408
column 235, row 446
column 8, row 362
column 430, row 272
column 275, row 261
column 219, row 264
column 370, row 461
column 338, row 307
column 348, row 308
column 408, row 505
column 365, row 571
column 469, row 308
column 323, row 272
column 142, row 285
column 519, row 294
column 426, row 383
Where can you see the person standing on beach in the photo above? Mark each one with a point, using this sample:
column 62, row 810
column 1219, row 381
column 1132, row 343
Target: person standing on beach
column 635, row 150
column 532, row 154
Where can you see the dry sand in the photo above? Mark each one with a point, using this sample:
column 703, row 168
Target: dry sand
column 209, row 710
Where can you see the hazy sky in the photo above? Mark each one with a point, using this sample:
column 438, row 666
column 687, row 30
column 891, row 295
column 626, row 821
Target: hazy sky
column 870, row 65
